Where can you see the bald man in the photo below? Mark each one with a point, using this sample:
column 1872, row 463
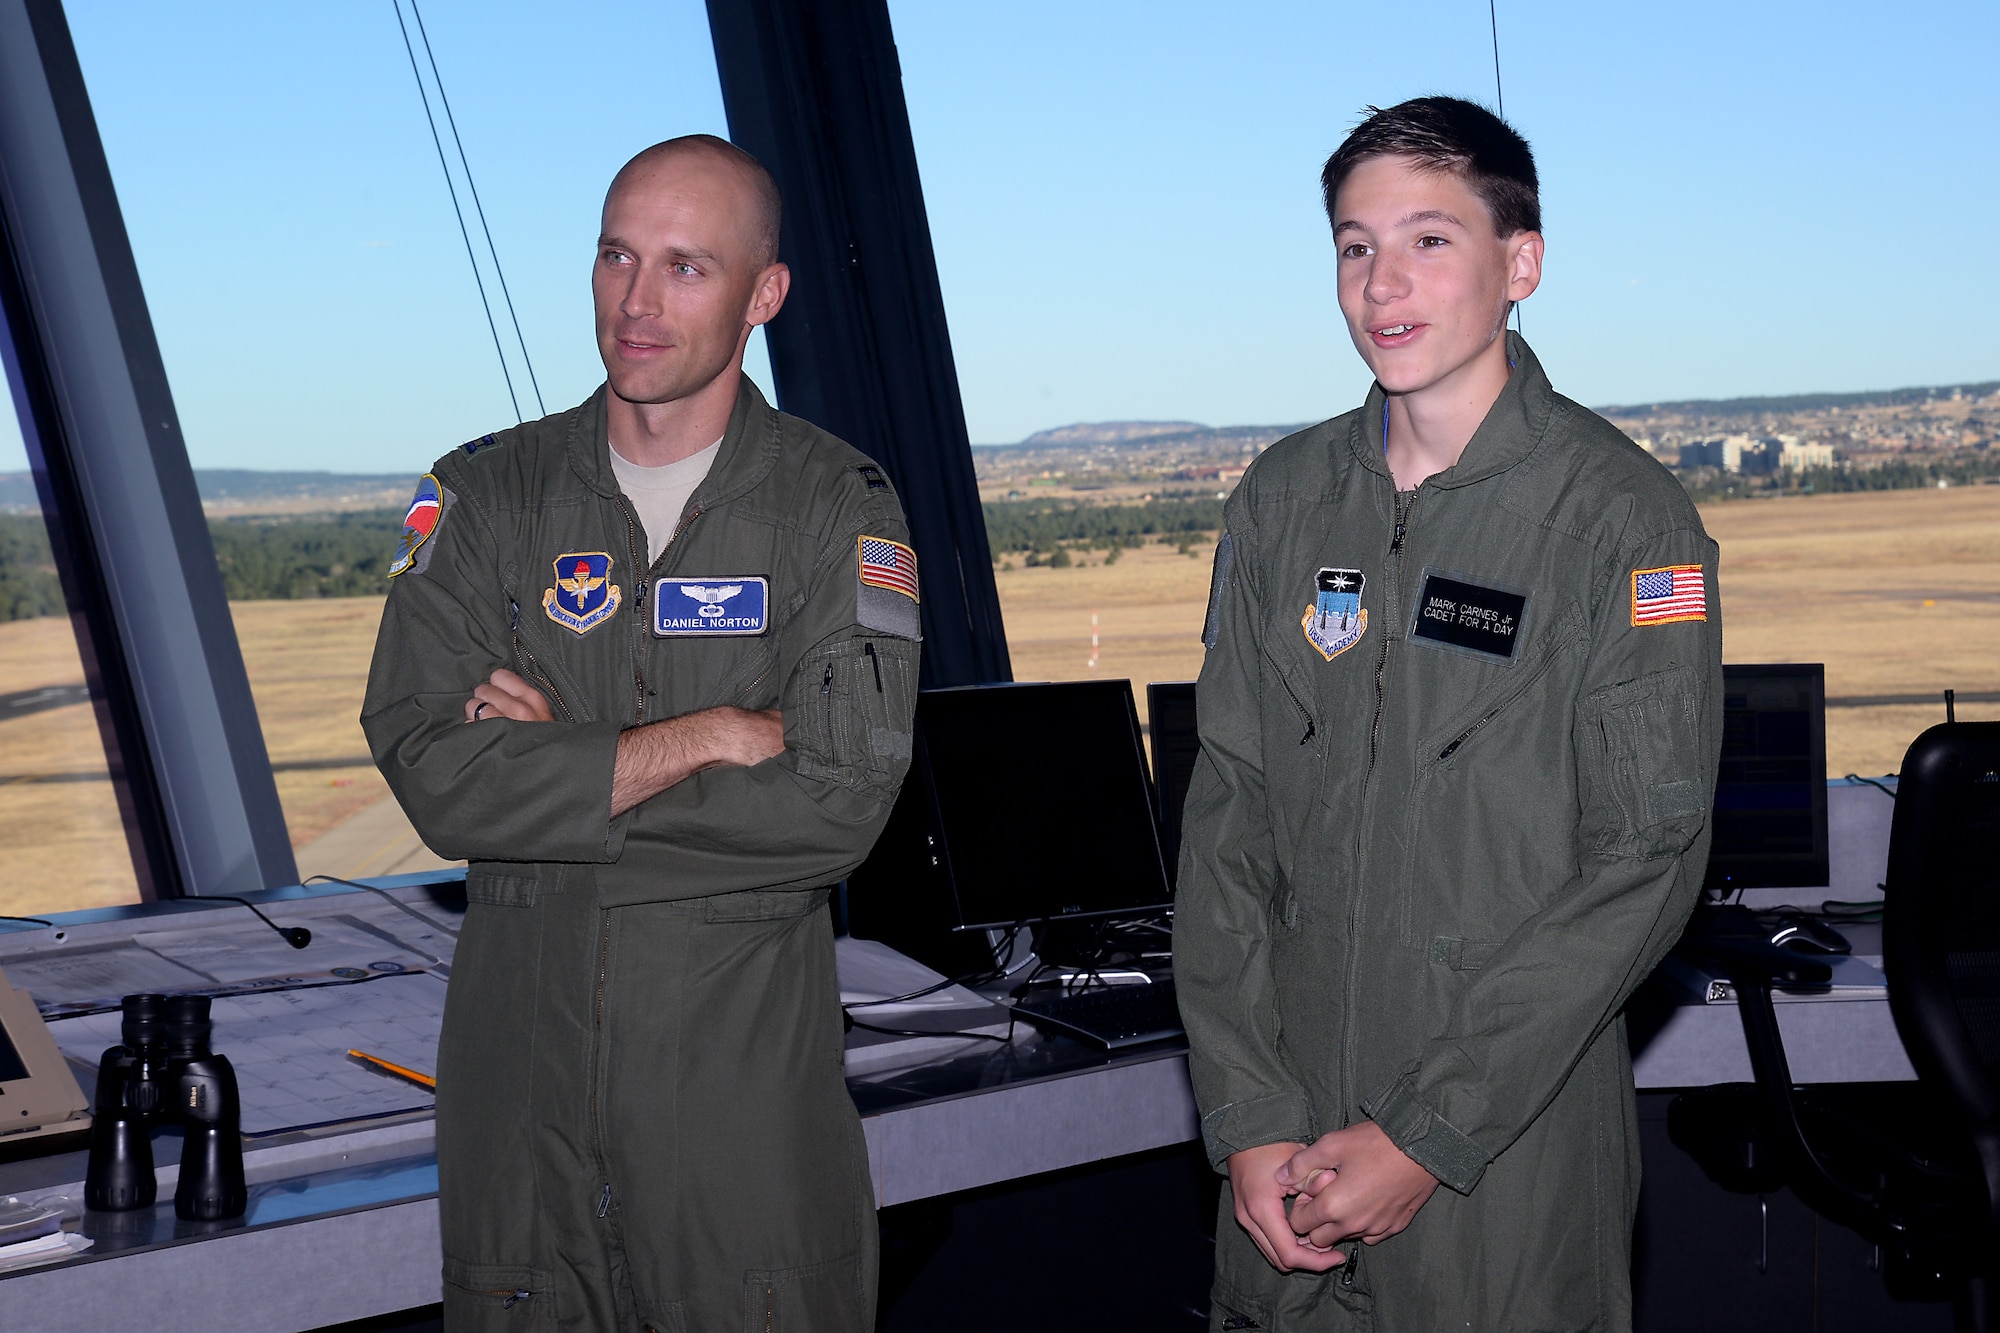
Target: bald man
column 649, row 666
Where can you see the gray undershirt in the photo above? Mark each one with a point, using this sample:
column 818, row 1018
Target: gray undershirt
column 660, row 494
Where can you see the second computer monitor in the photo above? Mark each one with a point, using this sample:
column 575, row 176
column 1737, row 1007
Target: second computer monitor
column 1770, row 793
column 1176, row 745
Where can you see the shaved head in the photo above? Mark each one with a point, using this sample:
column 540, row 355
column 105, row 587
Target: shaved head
column 766, row 206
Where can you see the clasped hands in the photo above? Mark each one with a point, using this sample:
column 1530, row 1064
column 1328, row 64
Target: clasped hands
column 1299, row 1202
column 653, row 757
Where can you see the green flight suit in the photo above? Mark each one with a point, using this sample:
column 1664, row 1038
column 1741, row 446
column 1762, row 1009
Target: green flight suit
column 643, row 1119
column 1458, row 751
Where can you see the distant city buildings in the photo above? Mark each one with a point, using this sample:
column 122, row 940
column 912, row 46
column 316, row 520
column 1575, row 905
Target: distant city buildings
column 1743, row 446
column 1756, row 455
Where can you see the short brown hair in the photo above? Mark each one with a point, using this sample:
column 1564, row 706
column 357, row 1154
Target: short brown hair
column 1447, row 134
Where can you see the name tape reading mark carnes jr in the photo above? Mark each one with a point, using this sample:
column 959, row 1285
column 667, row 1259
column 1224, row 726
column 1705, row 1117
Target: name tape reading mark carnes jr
column 1458, row 614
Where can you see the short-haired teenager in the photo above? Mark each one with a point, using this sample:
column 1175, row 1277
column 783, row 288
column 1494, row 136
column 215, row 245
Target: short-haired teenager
column 1460, row 720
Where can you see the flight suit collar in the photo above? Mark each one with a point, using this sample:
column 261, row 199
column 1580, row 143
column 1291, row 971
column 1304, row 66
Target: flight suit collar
column 749, row 448
column 1514, row 425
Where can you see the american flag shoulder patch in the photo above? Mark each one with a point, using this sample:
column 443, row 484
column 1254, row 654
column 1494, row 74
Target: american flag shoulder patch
column 888, row 564
column 1668, row 594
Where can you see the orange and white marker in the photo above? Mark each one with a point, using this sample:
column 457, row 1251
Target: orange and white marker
column 1093, row 640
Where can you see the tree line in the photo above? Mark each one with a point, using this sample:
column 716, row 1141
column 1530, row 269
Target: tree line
column 1048, row 526
column 335, row 555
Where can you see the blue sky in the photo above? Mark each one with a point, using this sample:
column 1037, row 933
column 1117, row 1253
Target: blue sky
column 1740, row 199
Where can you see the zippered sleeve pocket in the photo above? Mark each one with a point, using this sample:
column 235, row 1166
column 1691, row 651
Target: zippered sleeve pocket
column 1640, row 753
column 497, row 1296
column 849, row 712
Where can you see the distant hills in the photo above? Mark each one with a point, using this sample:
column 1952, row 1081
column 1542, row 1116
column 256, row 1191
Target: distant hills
column 1149, row 434
column 1801, row 402
column 1146, row 435
column 242, row 488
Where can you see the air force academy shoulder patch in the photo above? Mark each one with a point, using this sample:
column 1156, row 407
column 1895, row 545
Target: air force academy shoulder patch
column 584, row 596
column 711, row 606
column 885, row 588
column 425, row 513
column 1335, row 621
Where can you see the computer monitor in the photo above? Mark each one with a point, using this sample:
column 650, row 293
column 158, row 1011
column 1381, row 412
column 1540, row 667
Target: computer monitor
column 1176, row 744
column 1770, row 793
column 1024, row 803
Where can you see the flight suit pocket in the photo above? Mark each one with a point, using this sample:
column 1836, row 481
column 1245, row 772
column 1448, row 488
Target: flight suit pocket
column 854, row 700
column 1463, row 955
column 813, row 1298
column 484, row 1296
column 496, row 890
column 1645, row 794
column 764, row 904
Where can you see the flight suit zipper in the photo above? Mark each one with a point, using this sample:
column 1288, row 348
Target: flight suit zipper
column 526, row 657
column 1406, row 502
column 597, row 1041
column 641, row 585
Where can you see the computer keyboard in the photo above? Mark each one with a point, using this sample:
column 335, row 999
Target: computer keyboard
column 1112, row 1017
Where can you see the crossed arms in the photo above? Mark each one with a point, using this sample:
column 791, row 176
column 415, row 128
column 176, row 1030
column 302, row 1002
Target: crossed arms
column 653, row 757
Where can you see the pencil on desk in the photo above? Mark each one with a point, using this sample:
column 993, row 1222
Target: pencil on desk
column 425, row 1079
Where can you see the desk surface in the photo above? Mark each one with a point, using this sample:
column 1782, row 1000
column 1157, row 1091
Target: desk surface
column 342, row 1223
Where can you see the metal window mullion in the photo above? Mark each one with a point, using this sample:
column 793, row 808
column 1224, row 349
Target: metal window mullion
column 108, row 424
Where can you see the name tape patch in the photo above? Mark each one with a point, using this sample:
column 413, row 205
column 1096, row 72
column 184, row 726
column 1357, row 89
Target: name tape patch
column 715, row 606
column 1458, row 614
column 1336, row 621
column 1669, row 594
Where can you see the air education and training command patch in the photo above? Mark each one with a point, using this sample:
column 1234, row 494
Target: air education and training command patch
column 885, row 588
column 584, row 596
column 1335, row 621
column 1669, row 594
column 425, row 513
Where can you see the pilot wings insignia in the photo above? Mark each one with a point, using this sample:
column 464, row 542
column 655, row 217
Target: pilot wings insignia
column 583, row 596
column 713, row 596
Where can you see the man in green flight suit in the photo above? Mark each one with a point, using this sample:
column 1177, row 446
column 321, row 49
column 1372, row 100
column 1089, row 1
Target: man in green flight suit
column 1460, row 718
column 650, row 664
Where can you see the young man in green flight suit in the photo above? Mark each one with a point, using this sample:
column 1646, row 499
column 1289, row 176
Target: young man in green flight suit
column 650, row 665
column 1460, row 718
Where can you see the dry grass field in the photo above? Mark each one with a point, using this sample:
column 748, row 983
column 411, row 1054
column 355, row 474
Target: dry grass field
column 1897, row 592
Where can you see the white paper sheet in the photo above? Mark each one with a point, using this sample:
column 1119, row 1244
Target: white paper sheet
column 289, row 1048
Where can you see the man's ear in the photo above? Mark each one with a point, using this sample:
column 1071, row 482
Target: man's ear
column 767, row 298
column 1524, row 264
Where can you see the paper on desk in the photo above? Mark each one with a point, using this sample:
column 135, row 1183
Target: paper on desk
column 43, row 1250
column 871, row 971
column 251, row 951
column 289, row 1048
column 204, row 957
column 53, row 976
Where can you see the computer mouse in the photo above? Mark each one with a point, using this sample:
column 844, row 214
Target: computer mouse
column 1805, row 934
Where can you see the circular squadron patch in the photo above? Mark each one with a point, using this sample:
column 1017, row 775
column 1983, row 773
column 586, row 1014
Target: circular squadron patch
column 1335, row 621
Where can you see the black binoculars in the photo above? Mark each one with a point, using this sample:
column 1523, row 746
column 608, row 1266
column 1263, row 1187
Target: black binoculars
column 165, row 1071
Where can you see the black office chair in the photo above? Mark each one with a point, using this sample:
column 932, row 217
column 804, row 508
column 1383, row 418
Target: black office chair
column 1914, row 1168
